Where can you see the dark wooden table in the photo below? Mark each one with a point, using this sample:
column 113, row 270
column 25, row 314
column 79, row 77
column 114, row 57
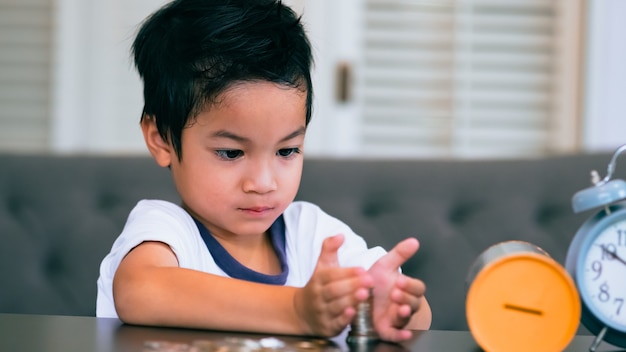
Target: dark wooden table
column 25, row 333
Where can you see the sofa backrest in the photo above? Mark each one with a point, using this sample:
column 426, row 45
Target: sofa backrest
column 59, row 216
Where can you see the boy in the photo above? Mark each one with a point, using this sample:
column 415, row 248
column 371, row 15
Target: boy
column 228, row 95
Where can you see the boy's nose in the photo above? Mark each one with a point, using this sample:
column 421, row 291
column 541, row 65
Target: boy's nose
column 260, row 178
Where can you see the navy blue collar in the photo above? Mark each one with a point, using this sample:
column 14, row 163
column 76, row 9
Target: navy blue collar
column 234, row 269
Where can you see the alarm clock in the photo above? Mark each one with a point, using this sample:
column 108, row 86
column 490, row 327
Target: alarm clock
column 596, row 257
column 520, row 299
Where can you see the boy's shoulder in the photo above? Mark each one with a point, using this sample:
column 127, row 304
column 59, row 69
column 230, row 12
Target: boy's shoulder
column 154, row 214
column 306, row 214
column 302, row 204
column 156, row 207
column 302, row 208
column 162, row 221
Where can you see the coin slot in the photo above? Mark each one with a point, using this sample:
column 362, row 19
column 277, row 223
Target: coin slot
column 523, row 309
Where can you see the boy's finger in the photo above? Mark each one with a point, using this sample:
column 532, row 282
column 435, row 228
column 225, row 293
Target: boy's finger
column 411, row 285
column 400, row 253
column 328, row 255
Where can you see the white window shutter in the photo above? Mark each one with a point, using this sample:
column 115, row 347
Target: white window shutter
column 468, row 78
column 66, row 78
column 25, row 54
column 98, row 99
column 439, row 78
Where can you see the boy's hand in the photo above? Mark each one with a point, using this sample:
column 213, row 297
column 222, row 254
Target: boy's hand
column 327, row 302
column 396, row 296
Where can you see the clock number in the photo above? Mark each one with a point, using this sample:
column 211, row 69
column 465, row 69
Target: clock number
column 596, row 266
column 621, row 238
column 604, row 293
column 608, row 252
column 619, row 302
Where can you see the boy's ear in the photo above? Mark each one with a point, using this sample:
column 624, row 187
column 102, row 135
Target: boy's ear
column 161, row 150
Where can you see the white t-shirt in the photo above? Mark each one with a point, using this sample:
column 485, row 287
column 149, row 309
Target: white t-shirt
column 306, row 227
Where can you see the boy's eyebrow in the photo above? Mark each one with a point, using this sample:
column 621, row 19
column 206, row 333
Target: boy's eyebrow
column 229, row 135
column 235, row 137
column 300, row 131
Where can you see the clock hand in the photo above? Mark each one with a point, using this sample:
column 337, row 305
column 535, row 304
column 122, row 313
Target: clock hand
column 613, row 254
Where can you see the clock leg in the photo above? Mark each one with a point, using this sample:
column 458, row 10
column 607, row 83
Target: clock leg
column 596, row 342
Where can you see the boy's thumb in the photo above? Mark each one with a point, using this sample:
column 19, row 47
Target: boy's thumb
column 328, row 255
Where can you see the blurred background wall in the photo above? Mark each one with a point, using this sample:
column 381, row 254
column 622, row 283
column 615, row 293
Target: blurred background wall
column 392, row 78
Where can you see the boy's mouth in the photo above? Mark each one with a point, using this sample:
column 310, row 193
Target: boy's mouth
column 257, row 210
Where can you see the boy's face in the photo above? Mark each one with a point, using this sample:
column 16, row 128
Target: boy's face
column 242, row 158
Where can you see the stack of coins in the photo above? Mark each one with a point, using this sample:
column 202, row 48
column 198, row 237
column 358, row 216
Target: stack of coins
column 362, row 327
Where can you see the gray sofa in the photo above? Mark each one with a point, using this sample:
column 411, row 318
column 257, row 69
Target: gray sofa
column 59, row 216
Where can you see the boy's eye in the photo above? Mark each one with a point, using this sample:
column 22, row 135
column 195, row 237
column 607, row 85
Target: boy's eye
column 229, row 154
column 286, row 152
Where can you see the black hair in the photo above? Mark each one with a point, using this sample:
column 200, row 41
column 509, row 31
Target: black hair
column 190, row 51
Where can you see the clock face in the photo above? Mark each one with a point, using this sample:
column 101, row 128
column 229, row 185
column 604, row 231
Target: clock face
column 602, row 278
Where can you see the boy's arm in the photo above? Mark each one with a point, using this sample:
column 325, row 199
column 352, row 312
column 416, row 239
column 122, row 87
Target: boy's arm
column 150, row 289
